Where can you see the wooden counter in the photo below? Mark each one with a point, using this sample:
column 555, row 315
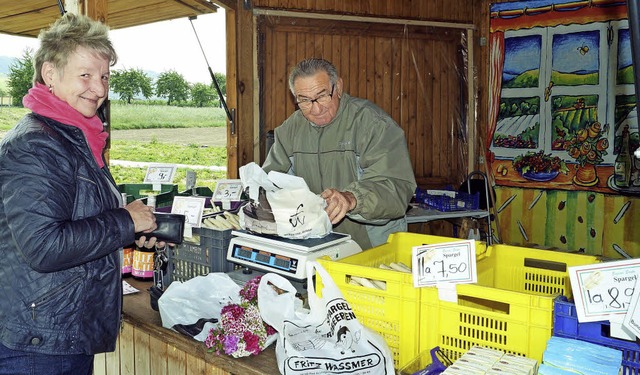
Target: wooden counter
column 145, row 347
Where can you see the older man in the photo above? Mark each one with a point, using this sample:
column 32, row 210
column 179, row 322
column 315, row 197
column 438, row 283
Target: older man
column 349, row 151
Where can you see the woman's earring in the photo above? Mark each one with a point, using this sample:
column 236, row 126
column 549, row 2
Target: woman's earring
column 50, row 88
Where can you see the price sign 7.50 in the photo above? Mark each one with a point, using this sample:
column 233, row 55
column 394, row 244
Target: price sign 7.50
column 451, row 262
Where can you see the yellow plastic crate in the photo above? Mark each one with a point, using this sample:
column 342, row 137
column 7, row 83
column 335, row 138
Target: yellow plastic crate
column 509, row 309
column 394, row 312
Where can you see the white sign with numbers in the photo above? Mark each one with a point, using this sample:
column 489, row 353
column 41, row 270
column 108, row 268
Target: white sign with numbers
column 603, row 291
column 228, row 190
column 449, row 262
column 160, row 174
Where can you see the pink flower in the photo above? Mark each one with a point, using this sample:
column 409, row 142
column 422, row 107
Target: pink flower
column 250, row 290
column 241, row 331
column 270, row 330
column 252, row 342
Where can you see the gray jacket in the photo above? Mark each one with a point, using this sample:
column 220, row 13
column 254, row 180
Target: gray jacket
column 60, row 231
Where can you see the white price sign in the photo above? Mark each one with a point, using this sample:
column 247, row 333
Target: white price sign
column 450, row 262
column 160, row 174
column 603, row 291
column 228, row 190
column 191, row 207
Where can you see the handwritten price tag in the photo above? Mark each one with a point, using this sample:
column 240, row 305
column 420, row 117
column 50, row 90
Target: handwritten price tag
column 603, row 291
column 451, row 262
column 160, row 174
column 228, row 190
column 191, row 207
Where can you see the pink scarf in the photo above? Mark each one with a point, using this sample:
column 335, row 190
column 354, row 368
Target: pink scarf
column 44, row 103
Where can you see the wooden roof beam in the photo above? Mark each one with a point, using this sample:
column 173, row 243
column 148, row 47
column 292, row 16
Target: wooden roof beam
column 205, row 4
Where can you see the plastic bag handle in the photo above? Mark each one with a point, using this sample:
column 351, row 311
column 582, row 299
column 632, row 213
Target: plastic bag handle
column 327, row 281
column 268, row 296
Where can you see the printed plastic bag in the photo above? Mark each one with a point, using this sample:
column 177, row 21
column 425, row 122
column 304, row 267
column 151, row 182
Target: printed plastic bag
column 328, row 338
column 192, row 307
column 297, row 212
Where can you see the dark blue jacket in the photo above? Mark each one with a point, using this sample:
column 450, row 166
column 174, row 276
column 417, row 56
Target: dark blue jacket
column 60, row 231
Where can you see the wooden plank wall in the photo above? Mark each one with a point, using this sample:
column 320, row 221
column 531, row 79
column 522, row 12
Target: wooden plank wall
column 415, row 73
column 139, row 353
column 435, row 10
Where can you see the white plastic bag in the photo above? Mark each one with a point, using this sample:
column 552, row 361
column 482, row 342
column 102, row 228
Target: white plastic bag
column 327, row 339
column 185, row 303
column 298, row 213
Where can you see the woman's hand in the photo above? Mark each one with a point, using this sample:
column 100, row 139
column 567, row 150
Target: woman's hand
column 142, row 215
column 151, row 242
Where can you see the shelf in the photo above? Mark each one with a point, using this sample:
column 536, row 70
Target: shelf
column 421, row 215
column 417, row 214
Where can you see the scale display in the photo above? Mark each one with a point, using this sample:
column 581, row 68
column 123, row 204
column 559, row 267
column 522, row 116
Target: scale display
column 278, row 261
column 285, row 256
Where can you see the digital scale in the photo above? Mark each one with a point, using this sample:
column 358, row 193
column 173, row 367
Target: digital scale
column 285, row 256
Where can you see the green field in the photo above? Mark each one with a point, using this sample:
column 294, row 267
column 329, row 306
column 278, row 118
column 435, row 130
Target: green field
column 140, row 116
column 150, row 117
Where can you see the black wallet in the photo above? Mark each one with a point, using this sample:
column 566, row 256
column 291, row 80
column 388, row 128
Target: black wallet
column 170, row 228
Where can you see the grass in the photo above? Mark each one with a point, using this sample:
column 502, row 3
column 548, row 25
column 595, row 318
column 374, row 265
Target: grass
column 139, row 116
column 9, row 116
column 133, row 175
column 155, row 151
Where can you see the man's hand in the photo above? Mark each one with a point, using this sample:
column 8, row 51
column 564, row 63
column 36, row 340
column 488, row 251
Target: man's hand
column 338, row 204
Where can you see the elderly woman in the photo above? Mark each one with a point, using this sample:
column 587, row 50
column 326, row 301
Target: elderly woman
column 61, row 221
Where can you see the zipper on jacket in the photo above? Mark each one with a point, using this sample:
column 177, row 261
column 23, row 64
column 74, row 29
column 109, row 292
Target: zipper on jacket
column 50, row 294
column 318, row 161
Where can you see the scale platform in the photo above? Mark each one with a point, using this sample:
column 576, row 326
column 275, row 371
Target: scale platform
column 285, row 256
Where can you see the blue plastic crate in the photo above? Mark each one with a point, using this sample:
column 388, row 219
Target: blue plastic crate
column 458, row 202
column 565, row 324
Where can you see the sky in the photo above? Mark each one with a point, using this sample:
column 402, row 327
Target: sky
column 158, row 47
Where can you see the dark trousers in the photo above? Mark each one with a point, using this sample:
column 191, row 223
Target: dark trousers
column 15, row 362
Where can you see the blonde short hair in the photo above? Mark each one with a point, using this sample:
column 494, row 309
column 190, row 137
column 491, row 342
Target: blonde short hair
column 67, row 34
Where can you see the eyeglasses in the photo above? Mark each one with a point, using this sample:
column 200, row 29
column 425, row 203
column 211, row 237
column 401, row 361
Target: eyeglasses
column 322, row 99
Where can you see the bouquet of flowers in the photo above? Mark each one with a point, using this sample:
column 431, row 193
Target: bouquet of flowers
column 588, row 145
column 241, row 331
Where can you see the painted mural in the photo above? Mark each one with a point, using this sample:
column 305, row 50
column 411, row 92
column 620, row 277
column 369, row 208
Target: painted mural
column 564, row 127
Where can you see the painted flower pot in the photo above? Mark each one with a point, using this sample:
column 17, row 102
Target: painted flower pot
column 586, row 175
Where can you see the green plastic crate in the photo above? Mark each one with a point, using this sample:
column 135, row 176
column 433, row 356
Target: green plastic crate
column 139, row 191
column 200, row 191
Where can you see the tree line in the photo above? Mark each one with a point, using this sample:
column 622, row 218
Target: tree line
column 129, row 84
